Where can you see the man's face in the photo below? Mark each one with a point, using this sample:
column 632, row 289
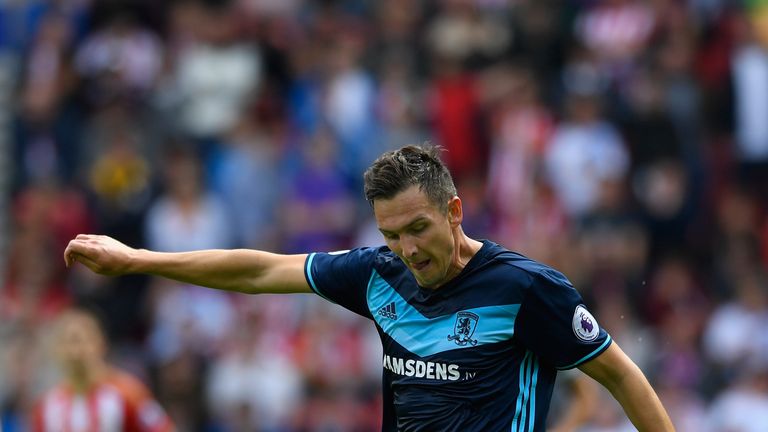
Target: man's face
column 80, row 344
column 421, row 234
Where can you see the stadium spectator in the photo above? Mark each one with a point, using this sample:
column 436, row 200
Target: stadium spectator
column 743, row 406
column 585, row 149
column 214, row 76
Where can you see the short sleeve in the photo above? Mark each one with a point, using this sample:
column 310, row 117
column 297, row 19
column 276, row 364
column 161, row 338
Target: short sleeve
column 342, row 277
column 555, row 324
column 143, row 413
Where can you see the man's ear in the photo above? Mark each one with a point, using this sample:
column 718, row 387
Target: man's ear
column 455, row 213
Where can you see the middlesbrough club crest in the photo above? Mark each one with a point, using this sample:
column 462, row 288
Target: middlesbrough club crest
column 464, row 328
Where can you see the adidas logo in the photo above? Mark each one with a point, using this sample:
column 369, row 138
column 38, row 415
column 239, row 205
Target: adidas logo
column 388, row 311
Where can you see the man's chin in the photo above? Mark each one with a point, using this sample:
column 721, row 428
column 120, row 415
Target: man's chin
column 427, row 283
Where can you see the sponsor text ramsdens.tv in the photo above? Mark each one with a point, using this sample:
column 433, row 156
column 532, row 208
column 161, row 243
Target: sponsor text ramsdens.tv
column 422, row 369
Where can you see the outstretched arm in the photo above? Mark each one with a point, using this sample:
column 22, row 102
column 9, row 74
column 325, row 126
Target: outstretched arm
column 242, row 270
column 626, row 382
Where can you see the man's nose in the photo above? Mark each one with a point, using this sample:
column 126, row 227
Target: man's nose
column 409, row 247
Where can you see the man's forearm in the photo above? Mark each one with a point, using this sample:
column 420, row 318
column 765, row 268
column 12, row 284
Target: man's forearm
column 640, row 403
column 241, row 270
column 231, row 270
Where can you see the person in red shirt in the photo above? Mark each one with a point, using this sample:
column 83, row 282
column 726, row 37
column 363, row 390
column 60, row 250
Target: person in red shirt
column 94, row 396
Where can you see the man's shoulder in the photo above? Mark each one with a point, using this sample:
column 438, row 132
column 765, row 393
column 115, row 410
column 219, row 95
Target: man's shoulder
column 521, row 265
column 367, row 255
column 129, row 387
column 142, row 408
column 373, row 251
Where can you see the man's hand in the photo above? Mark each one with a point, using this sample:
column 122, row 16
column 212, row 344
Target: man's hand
column 101, row 254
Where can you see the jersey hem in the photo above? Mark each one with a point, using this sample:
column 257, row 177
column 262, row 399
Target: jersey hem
column 589, row 356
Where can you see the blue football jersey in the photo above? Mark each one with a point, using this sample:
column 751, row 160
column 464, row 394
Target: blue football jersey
column 481, row 352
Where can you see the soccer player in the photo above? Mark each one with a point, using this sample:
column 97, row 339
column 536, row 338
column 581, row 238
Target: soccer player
column 94, row 396
column 473, row 334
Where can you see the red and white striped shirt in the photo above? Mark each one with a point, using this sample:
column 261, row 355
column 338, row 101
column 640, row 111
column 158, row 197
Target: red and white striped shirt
column 120, row 403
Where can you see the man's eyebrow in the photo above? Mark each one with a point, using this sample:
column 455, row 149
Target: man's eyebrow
column 407, row 225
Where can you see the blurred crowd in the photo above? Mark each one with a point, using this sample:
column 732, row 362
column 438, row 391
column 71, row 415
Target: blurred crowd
column 624, row 142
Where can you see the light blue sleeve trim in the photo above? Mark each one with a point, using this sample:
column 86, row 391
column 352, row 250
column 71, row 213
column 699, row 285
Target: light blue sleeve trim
column 308, row 271
column 589, row 356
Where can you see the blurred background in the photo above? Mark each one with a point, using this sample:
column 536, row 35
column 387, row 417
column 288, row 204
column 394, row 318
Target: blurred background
column 624, row 142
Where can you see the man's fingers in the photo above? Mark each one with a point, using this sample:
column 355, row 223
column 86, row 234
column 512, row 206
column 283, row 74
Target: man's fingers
column 87, row 262
column 69, row 253
column 76, row 248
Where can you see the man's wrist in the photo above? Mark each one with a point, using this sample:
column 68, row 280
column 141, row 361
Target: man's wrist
column 138, row 261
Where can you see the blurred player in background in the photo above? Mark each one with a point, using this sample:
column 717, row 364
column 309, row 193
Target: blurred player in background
column 93, row 396
column 473, row 334
column 581, row 398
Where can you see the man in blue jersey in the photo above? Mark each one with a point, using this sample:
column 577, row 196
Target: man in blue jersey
column 473, row 334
